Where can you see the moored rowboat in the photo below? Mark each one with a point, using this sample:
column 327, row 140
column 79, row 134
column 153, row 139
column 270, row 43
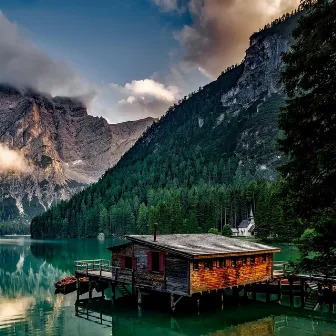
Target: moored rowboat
column 69, row 284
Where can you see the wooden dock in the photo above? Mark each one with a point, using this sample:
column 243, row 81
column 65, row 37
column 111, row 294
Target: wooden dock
column 313, row 290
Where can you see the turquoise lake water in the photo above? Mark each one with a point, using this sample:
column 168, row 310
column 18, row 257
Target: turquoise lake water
column 28, row 305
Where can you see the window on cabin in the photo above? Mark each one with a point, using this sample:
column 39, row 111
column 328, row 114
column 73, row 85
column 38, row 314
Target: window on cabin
column 233, row 262
column 264, row 259
column 208, row 264
column 244, row 260
column 128, row 263
column 196, row 265
column 252, row 261
column 156, row 261
column 220, row 263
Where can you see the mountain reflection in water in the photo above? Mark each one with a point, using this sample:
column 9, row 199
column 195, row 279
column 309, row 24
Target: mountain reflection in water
column 28, row 305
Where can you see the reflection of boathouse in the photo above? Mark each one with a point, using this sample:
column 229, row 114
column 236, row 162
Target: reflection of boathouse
column 182, row 265
column 247, row 320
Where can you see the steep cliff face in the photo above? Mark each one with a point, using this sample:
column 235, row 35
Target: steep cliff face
column 63, row 147
column 259, row 94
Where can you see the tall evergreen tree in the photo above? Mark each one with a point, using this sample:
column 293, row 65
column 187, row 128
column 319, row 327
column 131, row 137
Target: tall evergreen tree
column 309, row 124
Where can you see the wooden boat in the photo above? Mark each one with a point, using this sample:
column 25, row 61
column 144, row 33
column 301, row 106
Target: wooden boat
column 69, row 285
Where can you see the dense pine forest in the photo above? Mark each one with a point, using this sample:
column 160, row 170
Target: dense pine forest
column 191, row 171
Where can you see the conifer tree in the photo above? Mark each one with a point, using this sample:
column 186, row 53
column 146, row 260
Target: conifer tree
column 309, row 123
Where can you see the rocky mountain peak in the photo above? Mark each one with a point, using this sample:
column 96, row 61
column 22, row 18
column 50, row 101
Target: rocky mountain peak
column 64, row 147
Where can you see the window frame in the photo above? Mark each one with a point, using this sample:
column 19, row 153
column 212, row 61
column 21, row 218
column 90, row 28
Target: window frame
column 196, row 265
column 252, row 261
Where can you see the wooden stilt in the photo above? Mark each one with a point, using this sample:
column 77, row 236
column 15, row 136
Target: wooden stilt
column 279, row 291
column 101, row 317
column 302, row 292
column 172, row 303
column 90, row 291
column 78, row 288
column 268, row 297
column 113, row 293
column 139, row 302
column 245, row 294
column 235, row 293
column 222, row 299
column 291, row 293
column 103, row 294
column 198, row 306
column 254, row 293
column 331, row 298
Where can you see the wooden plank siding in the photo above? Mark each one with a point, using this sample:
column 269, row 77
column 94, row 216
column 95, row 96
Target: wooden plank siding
column 178, row 274
column 124, row 275
column 143, row 276
column 229, row 276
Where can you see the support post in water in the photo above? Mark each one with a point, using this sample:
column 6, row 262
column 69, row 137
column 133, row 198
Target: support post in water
column 245, row 294
column 279, row 291
column 139, row 302
column 78, row 288
column 90, row 291
column 291, row 292
column 113, row 293
column 331, row 297
column 172, row 303
column 302, row 292
column 254, row 293
column 235, row 292
column 222, row 298
column 268, row 297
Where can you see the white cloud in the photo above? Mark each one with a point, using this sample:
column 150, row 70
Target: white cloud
column 24, row 65
column 12, row 161
column 145, row 97
column 219, row 34
column 168, row 5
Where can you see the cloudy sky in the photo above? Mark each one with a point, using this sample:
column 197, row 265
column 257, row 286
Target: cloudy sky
column 126, row 59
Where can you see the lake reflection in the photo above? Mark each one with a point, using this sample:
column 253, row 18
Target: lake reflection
column 28, row 305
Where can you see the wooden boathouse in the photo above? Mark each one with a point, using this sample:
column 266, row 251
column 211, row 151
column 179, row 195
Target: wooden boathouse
column 182, row 265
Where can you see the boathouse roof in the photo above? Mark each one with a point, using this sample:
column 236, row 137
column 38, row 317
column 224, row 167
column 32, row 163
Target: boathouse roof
column 202, row 245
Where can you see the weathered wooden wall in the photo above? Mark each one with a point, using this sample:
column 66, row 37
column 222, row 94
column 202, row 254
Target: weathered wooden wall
column 177, row 274
column 144, row 277
column 174, row 279
column 125, row 275
column 229, row 276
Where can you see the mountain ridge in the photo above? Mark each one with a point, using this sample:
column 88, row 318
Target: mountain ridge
column 63, row 146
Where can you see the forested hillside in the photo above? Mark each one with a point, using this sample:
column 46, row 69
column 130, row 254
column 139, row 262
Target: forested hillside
column 206, row 163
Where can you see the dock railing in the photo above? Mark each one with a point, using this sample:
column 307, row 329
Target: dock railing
column 280, row 268
column 101, row 265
